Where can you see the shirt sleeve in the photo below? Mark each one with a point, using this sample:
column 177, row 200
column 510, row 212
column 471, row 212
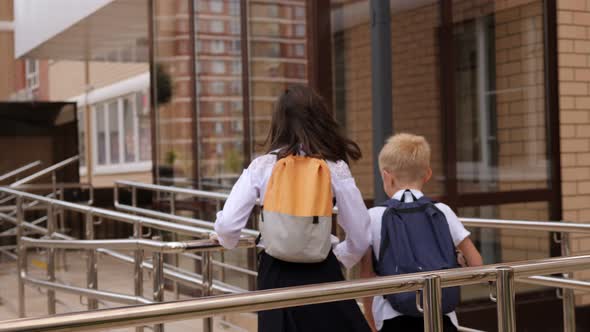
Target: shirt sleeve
column 458, row 231
column 237, row 209
column 354, row 220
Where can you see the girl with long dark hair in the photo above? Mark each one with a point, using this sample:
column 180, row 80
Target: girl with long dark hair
column 303, row 126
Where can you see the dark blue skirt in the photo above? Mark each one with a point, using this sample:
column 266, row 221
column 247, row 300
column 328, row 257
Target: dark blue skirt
column 325, row 317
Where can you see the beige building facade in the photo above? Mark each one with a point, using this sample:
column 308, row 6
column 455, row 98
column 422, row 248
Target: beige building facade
column 113, row 117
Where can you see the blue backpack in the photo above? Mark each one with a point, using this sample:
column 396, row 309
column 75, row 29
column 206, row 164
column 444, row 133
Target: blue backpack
column 415, row 237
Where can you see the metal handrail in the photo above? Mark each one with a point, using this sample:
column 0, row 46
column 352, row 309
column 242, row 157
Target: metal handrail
column 45, row 171
column 295, row 296
column 138, row 245
column 163, row 247
column 114, row 215
column 47, row 186
column 205, row 281
column 19, row 170
column 549, row 226
column 176, row 218
column 184, row 277
column 91, row 293
column 215, row 196
column 170, row 189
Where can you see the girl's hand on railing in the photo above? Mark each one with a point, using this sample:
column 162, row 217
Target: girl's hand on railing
column 213, row 236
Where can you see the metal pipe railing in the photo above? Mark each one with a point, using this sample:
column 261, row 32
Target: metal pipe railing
column 169, row 189
column 215, row 196
column 295, row 296
column 549, row 226
column 183, row 277
column 90, row 293
column 175, row 218
column 505, row 298
column 556, row 282
column 158, row 246
column 114, row 215
column 46, row 171
column 50, row 186
column 93, row 246
column 19, row 170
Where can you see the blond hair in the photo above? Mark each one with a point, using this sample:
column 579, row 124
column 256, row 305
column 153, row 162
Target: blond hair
column 406, row 156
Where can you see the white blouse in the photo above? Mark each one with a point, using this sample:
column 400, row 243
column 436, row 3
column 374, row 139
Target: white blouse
column 352, row 212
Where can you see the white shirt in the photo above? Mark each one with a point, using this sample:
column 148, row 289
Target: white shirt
column 352, row 212
column 382, row 309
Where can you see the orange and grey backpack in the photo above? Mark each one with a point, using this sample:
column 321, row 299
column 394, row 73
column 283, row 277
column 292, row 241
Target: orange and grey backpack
column 297, row 210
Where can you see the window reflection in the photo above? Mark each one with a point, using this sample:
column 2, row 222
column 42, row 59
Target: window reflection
column 218, row 59
column 278, row 57
column 500, row 99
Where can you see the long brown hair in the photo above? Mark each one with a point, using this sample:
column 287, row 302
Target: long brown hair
column 301, row 121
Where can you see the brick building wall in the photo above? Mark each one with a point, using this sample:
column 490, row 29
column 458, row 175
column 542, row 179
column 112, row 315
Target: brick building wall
column 518, row 69
column 521, row 125
column 7, row 62
column 573, row 19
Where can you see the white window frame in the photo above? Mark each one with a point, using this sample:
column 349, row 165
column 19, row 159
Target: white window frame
column 216, row 6
column 32, row 78
column 235, row 27
column 122, row 166
column 237, row 67
column 218, row 67
column 218, row 128
column 234, row 8
column 299, row 50
column 300, row 30
column 215, row 86
column 217, row 46
column 217, row 26
column 219, row 107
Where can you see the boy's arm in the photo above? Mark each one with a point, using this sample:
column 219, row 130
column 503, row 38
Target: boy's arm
column 470, row 252
column 367, row 271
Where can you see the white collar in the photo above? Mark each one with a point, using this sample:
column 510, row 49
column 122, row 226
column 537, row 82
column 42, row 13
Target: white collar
column 416, row 193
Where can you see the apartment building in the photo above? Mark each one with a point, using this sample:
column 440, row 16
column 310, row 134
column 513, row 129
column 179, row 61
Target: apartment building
column 21, row 79
column 201, row 46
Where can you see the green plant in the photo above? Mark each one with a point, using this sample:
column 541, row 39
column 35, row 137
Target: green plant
column 170, row 157
column 233, row 161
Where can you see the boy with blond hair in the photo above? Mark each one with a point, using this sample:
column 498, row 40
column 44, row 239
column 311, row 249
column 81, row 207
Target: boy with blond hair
column 411, row 233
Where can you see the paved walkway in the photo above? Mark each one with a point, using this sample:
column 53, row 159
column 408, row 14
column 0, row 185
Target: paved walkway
column 113, row 276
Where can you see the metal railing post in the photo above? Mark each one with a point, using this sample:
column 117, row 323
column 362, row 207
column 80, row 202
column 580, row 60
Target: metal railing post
column 91, row 263
column 207, row 286
column 50, row 259
column 158, row 275
column 174, row 238
column 506, row 299
column 432, row 304
column 61, row 227
column 22, row 259
column 569, row 299
column 137, row 268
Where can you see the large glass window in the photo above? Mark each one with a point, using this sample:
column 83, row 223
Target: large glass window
column 101, row 137
column 123, row 135
column 484, row 113
column 220, row 163
column 500, row 97
column 274, row 50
